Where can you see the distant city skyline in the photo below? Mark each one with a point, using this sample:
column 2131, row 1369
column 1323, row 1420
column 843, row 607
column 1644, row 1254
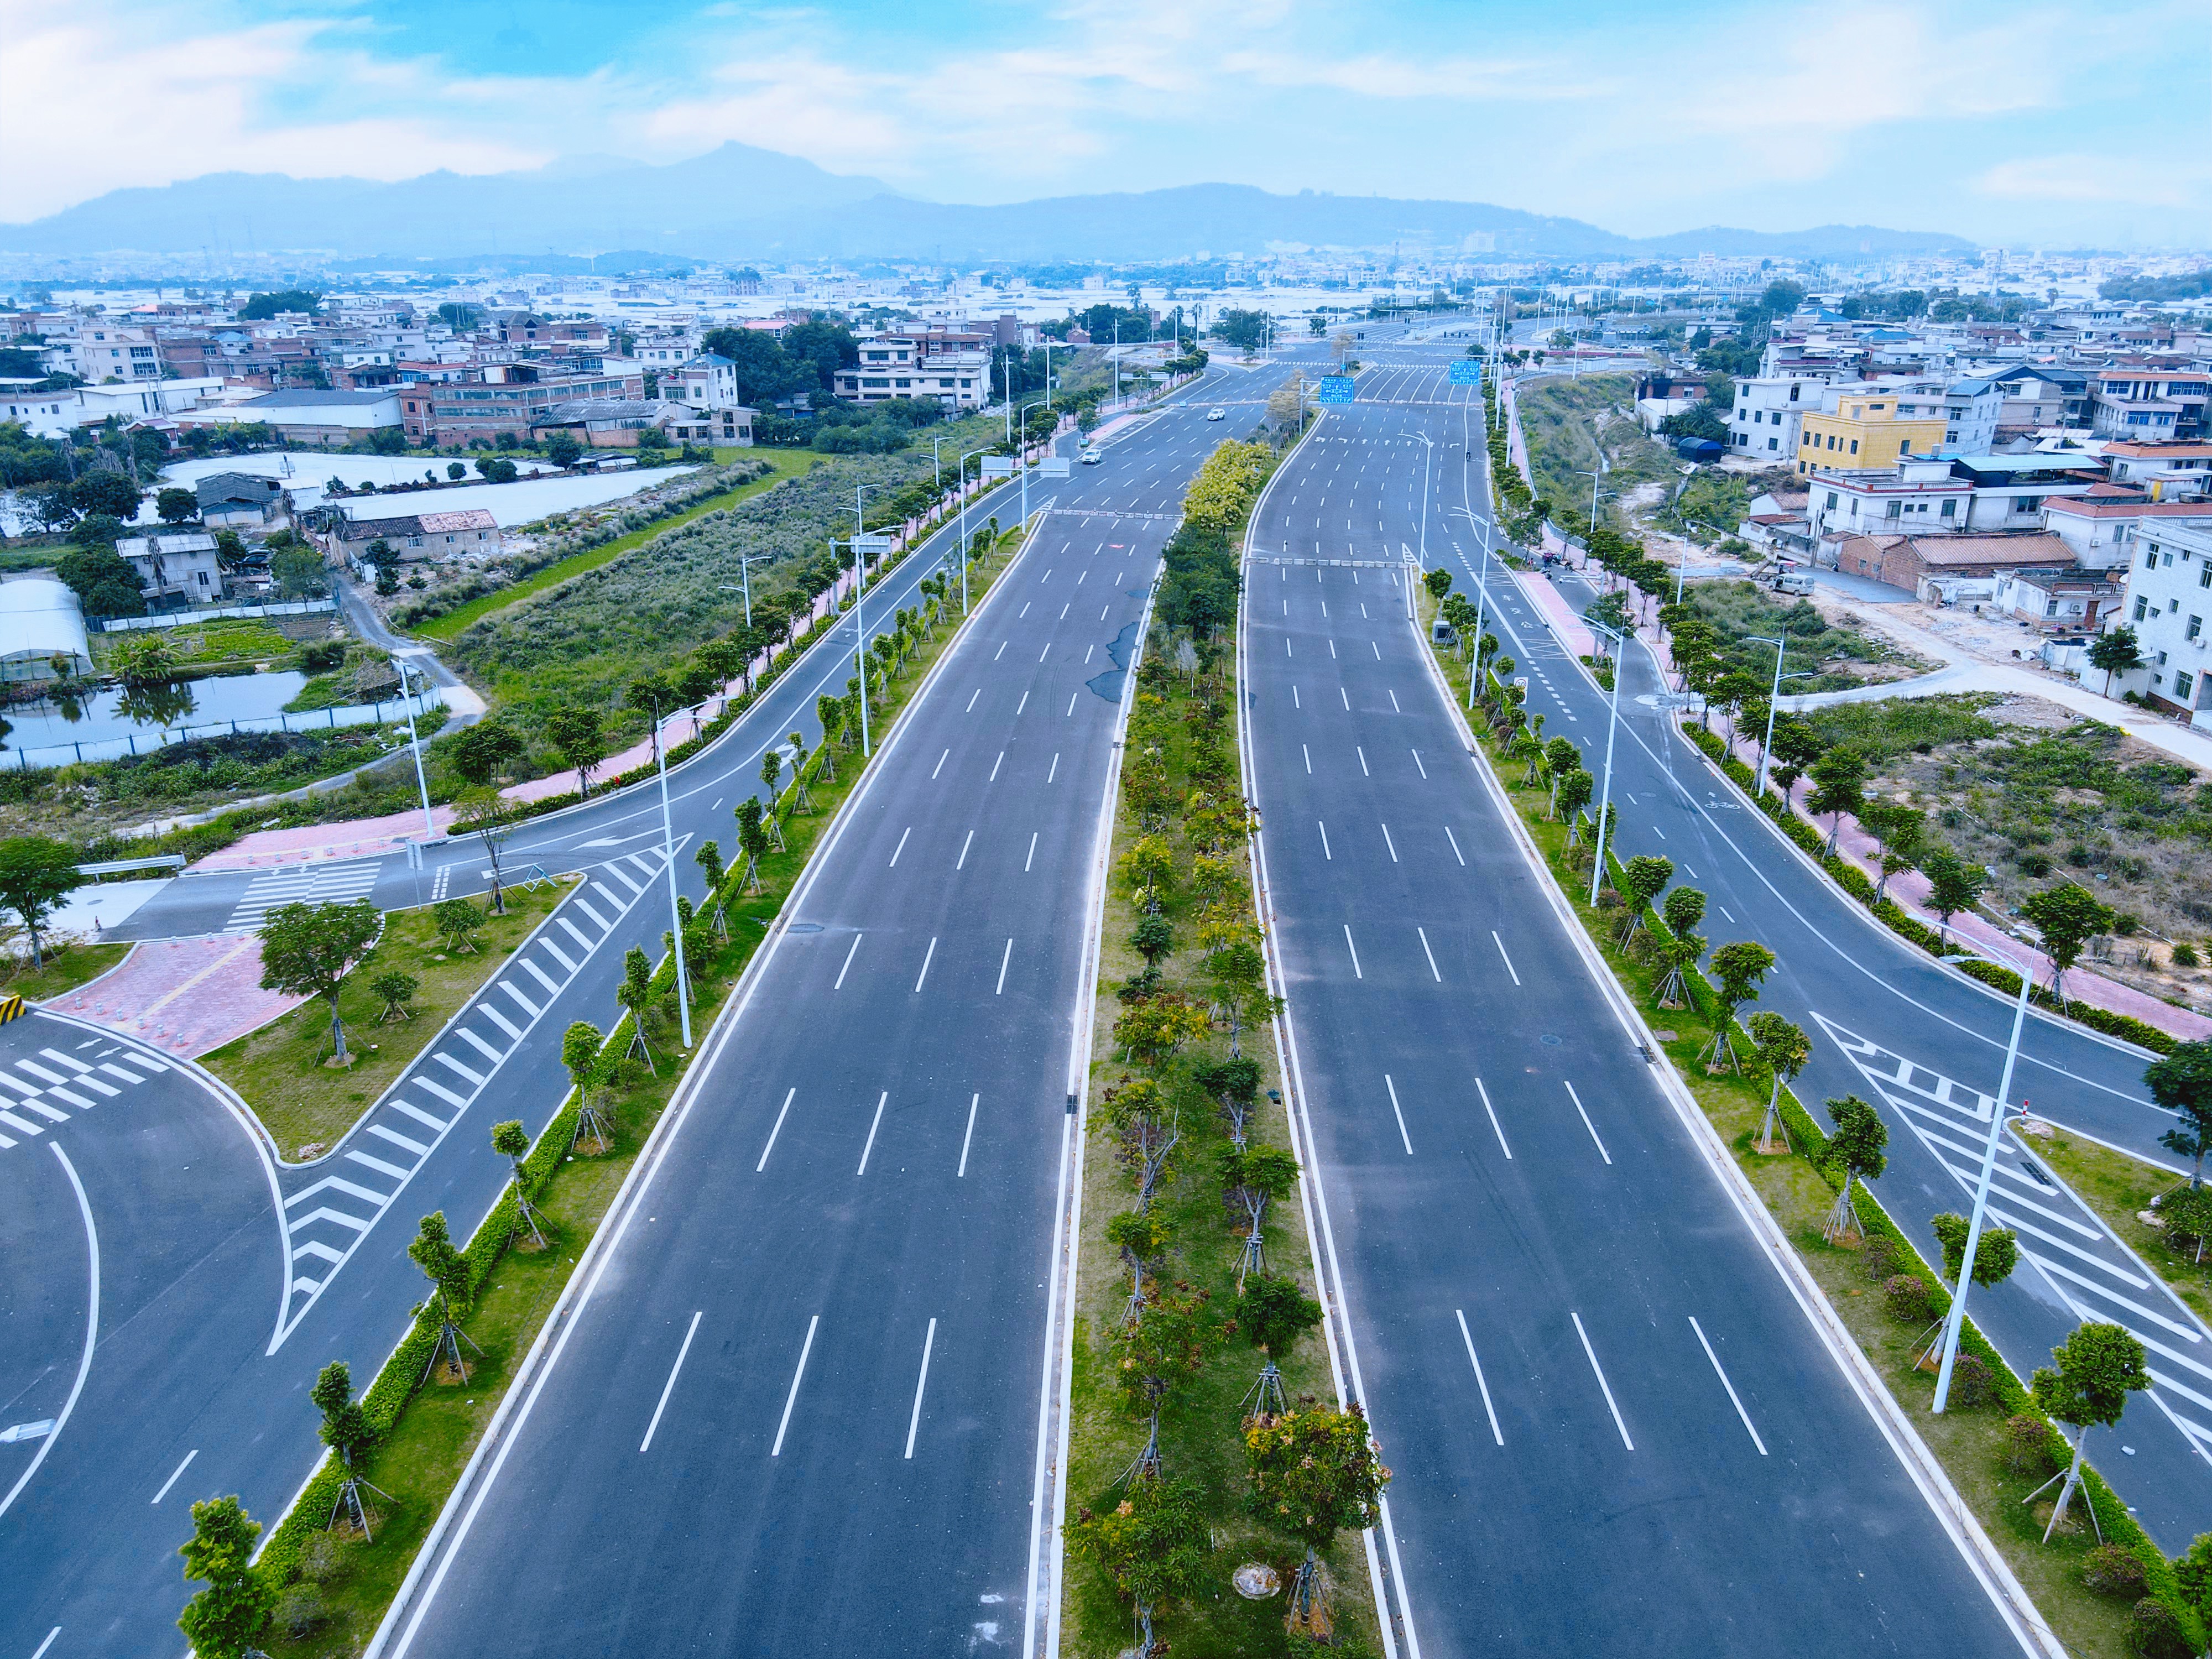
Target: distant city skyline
column 2035, row 124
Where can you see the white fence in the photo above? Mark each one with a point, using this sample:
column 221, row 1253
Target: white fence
column 186, row 618
column 319, row 720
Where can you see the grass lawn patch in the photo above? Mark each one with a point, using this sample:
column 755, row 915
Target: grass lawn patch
column 2120, row 1188
column 1567, row 424
column 337, row 1588
column 1971, row 1442
column 67, row 966
column 306, row 1105
column 786, row 466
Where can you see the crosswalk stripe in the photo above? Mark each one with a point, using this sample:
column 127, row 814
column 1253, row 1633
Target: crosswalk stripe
column 316, row 1247
column 494, row 1056
column 378, row 1166
column 544, row 978
column 338, row 1183
column 585, row 905
column 34, row 1104
column 612, row 897
column 40, row 1072
column 118, row 1071
column 327, row 1214
column 554, row 951
column 582, row 939
column 78, row 1101
column 22, row 1124
column 440, row 1091
column 398, row 1139
column 420, row 1115
column 96, row 1085
column 528, row 1007
column 502, row 1021
column 623, row 876
column 453, row 1064
column 61, row 1059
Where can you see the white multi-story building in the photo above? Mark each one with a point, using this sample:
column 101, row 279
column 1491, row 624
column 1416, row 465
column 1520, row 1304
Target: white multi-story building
column 1765, row 424
column 101, row 351
column 902, row 365
column 2169, row 605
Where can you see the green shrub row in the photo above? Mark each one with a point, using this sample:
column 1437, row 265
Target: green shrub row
column 1853, row 880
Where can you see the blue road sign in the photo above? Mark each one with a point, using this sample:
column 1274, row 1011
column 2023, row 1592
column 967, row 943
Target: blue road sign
column 1465, row 371
column 1335, row 389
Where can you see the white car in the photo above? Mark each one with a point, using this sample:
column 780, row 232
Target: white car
column 1216, row 414
column 1092, row 457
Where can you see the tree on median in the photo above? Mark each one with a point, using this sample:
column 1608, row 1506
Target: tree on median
column 2181, row 1082
column 1739, row 968
column 579, row 1053
column 1641, row 880
column 1858, row 1147
column 1315, row 1473
column 512, row 1142
column 2095, row 1369
column 1784, row 1049
column 307, row 950
column 491, row 819
column 228, row 1619
column 457, row 921
column 447, row 1270
column 37, row 872
column 1152, row 1546
column 345, row 1430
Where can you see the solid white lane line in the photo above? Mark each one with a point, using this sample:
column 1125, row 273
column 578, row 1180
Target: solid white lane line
column 669, row 1386
column 1488, row 1410
column 1399, row 1116
column 974, row 1100
column 1323, row 828
column 1587, row 1124
column 1417, row 760
column 1002, row 988
column 91, row 1335
column 874, row 1124
column 1430, row 954
column 995, row 765
column 1494, row 939
column 922, row 1381
column 901, row 847
column 1389, row 843
column 927, row 956
column 1734, row 1400
column 1031, row 856
column 792, row 1398
column 1495, row 1128
column 1022, row 704
column 1456, row 854
column 776, row 1131
column 1362, row 753
column 1053, row 770
column 180, row 1468
column 962, row 861
column 1606, row 1388
column 849, row 950
column 939, row 767
column 1302, row 749
column 1354, row 948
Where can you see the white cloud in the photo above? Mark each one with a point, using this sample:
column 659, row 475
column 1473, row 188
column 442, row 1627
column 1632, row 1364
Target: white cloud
column 2122, row 181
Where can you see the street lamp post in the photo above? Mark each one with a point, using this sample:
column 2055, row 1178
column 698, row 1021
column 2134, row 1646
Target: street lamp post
column 963, row 486
column 1954, row 1321
column 415, row 743
column 1774, row 699
column 1428, row 460
column 1021, row 455
column 1592, row 476
column 859, row 529
column 1613, row 724
column 668, row 852
column 860, row 656
column 745, row 563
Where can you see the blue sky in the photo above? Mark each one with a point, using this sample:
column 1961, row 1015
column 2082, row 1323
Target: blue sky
column 2027, row 124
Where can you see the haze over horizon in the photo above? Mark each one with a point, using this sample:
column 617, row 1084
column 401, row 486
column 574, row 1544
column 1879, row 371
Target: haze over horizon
column 2021, row 126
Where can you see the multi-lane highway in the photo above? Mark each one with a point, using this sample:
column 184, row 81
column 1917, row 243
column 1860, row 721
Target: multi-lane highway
column 228, row 1277
column 1921, row 1041
column 1586, row 1371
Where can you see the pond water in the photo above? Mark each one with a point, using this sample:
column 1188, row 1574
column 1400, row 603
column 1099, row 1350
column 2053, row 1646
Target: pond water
column 114, row 721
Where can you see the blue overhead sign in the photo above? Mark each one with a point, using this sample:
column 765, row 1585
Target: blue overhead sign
column 1465, row 371
column 1335, row 389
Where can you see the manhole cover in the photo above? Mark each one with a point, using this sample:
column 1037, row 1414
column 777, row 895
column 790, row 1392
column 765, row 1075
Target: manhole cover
column 806, row 927
column 1255, row 1581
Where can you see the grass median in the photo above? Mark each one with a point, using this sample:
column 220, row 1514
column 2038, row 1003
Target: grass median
column 67, row 966
column 335, row 1587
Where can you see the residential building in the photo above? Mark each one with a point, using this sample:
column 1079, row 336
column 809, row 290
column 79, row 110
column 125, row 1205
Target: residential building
column 1765, row 424
column 2162, row 403
column 238, row 500
column 1868, row 426
column 414, row 537
column 1907, row 561
column 1937, row 494
column 2069, row 600
column 614, row 422
column 2169, row 605
column 43, row 414
column 100, row 352
column 1971, row 411
column 2103, row 526
column 509, row 397
column 918, row 365
column 708, row 380
column 2166, row 471
column 2041, row 398
column 175, row 569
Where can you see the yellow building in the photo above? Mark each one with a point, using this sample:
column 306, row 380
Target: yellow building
column 1872, row 429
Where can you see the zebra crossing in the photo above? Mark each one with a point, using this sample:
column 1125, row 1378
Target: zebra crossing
column 2094, row 1275
column 34, row 1089
column 310, row 883
column 342, row 1196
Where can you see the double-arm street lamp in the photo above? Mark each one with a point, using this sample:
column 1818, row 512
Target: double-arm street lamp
column 1774, row 699
column 1613, row 724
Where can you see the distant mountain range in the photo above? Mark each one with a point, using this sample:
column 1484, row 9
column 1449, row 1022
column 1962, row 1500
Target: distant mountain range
column 741, row 203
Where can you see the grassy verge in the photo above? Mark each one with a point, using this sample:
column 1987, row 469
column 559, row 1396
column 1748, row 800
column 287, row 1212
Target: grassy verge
column 337, row 1586
column 67, row 966
column 1973, row 1442
column 786, row 466
column 278, row 1070
column 1181, row 739
column 2120, row 1188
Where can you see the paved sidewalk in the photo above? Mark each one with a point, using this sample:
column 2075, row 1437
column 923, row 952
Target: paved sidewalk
column 186, row 995
column 272, row 849
column 1569, row 628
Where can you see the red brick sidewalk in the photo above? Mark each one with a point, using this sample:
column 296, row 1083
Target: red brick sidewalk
column 186, row 995
column 271, row 849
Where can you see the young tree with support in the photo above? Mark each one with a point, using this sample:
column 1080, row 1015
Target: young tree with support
column 2181, row 1082
column 1641, row 880
column 1784, row 1050
column 1315, row 1473
column 1153, row 1547
column 1953, row 886
column 345, row 1431
column 1858, row 1146
column 1996, row 1253
column 2068, row 916
column 580, row 1046
column 228, row 1619
column 2087, row 1386
column 771, row 775
column 512, row 1142
column 580, row 738
column 1164, row 1344
column 709, row 858
column 799, row 802
column 635, row 994
column 752, row 841
column 1234, row 1085
column 1143, row 1236
column 37, row 872
column 1570, row 794
column 447, row 1270
column 457, row 921
column 491, row 819
column 830, row 713
column 395, row 990
column 1252, row 1177
column 308, row 950
column 1273, row 1314
column 1839, row 779
column 1740, row 968
column 1684, row 908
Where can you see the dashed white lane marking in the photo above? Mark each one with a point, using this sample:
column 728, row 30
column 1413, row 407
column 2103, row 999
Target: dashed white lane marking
column 668, row 1387
column 1488, row 1410
column 1494, row 939
column 1734, row 1400
column 1495, row 1127
column 1399, row 1116
column 1604, row 1387
column 1587, row 1124
column 792, row 1398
